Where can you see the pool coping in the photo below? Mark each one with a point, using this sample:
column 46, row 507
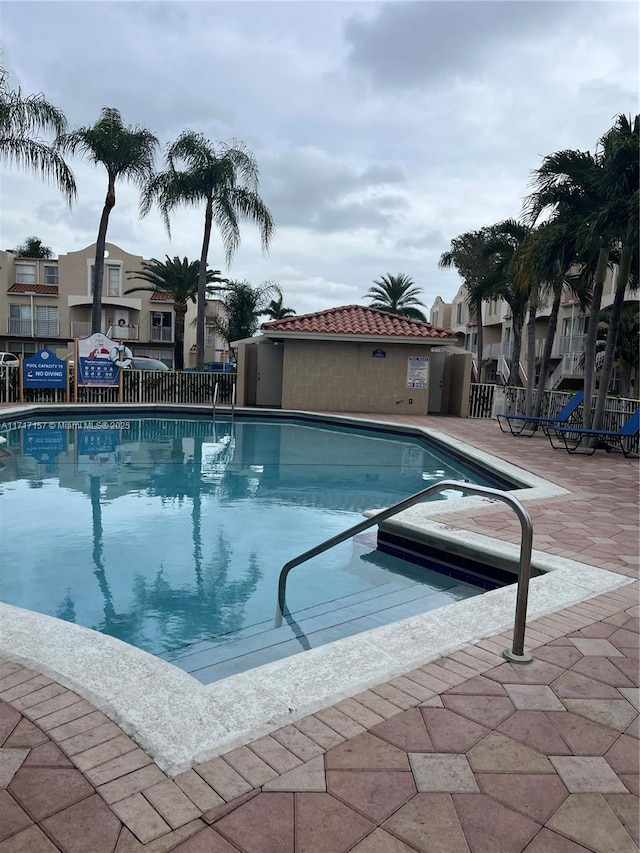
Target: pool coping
column 179, row 721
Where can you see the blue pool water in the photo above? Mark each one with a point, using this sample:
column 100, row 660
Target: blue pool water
column 170, row 534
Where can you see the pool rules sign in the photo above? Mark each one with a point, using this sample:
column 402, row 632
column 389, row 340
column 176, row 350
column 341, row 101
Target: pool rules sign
column 417, row 371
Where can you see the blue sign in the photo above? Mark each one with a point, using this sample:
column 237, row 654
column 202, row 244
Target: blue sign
column 44, row 442
column 44, row 370
column 378, row 353
column 96, row 440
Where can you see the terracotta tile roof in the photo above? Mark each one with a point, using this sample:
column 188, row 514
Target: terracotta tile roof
column 161, row 296
column 44, row 289
column 356, row 320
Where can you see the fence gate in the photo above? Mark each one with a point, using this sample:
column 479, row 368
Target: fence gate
column 480, row 400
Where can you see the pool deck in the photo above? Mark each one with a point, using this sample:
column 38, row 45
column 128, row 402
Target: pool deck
column 467, row 753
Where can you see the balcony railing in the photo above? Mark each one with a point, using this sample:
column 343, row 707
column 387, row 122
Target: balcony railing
column 16, row 326
column 162, row 333
column 123, row 333
column 39, row 328
column 80, row 329
column 496, row 351
column 572, row 343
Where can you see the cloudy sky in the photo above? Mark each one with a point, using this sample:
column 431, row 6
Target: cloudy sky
column 382, row 130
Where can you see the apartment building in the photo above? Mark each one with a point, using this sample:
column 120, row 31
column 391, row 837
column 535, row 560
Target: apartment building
column 215, row 347
column 567, row 365
column 47, row 303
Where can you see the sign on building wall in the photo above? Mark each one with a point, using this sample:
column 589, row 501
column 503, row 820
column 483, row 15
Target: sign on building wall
column 378, row 353
column 44, row 370
column 97, row 355
column 417, row 371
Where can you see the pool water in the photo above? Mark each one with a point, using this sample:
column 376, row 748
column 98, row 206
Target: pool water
column 170, row 534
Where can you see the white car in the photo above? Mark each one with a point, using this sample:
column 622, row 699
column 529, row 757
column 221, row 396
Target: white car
column 8, row 359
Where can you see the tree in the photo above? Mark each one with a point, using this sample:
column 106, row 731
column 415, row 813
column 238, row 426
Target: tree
column 506, row 241
column 396, row 294
column 600, row 194
column 225, row 181
column 467, row 256
column 33, row 247
column 243, row 307
column 179, row 278
column 125, row 152
column 275, row 310
column 22, row 120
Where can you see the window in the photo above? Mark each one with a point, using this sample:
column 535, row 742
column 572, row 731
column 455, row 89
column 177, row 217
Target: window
column 51, row 275
column 113, row 280
column 20, row 312
column 19, row 319
column 161, row 326
column 25, row 273
column 47, row 320
column 434, row 321
column 210, row 335
column 459, row 308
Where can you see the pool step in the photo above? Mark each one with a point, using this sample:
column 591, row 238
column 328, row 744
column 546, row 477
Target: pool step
column 303, row 632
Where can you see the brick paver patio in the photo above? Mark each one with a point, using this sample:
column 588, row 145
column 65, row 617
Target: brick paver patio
column 468, row 753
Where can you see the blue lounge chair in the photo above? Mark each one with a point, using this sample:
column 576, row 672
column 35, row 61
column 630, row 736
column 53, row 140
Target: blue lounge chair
column 587, row 441
column 527, row 424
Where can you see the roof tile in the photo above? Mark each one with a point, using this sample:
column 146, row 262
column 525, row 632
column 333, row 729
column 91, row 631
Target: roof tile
column 43, row 289
column 357, row 320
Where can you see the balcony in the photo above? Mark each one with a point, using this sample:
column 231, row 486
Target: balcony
column 496, row 351
column 572, row 343
column 127, row 332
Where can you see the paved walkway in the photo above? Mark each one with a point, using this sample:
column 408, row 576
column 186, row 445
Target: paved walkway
column 468, row 753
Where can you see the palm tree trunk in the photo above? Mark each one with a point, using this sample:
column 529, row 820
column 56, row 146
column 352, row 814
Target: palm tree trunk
column 622, row 280
column 514, row 371
column 480, row 342
column 180, row 309
column 548, row 346
column 531, row 359
column 202, row 285
column 590, row 343
column 98, row 267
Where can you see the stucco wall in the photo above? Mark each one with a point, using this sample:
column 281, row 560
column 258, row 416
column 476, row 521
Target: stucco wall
column 457, row 380
column 341, row 376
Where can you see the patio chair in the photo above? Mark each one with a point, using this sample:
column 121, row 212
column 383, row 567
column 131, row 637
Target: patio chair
column 527, row 424
column 587, row 441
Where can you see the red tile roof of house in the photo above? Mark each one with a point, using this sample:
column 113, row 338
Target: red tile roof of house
column 356, row 320
column 42, row 289
column 161, row 296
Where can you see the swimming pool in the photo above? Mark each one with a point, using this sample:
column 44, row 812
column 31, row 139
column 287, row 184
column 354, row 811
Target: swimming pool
column 169, row 534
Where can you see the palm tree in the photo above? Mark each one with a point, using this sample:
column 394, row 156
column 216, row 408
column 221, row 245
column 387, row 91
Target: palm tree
column 503, row 249
column 243, row 307
column 618, row 219
column 275, row 310
column 600, row 194
column 33, row 247
column 125, row 152
column 179, row 278
column 225, row 181
column 396, row 294
column 467, row 256
column 22, row 119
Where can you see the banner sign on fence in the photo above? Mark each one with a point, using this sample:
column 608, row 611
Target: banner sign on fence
column 44, row 370
column 97, row 355
column 44, row 442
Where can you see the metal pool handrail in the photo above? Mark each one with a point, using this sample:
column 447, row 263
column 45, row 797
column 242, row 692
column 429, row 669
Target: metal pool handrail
column 517, row 653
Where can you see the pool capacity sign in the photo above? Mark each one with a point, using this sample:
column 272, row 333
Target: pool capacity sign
column 97, row 355
column 44, row 370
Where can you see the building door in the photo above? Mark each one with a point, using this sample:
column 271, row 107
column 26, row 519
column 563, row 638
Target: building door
column 269, row 375
column 436, row 382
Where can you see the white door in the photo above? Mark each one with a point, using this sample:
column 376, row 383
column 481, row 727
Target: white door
column 269, row 375
column 436, row 381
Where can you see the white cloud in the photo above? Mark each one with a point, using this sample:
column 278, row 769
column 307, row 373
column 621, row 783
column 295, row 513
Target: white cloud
column 381, row 130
